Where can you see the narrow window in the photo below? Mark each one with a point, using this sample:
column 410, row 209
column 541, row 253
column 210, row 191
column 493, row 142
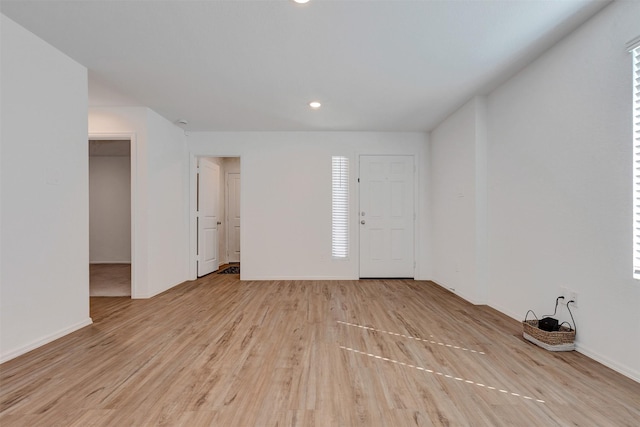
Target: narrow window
column 635, row 53
column 339, row 207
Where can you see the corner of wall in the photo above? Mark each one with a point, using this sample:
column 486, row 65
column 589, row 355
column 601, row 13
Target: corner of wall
column 481, row 140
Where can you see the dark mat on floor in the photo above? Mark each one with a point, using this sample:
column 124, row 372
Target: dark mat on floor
column 234, row 269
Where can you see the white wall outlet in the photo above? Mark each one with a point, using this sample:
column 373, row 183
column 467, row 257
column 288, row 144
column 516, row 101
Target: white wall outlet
column 573, row 296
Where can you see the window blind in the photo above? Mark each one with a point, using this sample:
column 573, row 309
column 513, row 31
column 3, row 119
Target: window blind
column 339, row 207
column 635, row 53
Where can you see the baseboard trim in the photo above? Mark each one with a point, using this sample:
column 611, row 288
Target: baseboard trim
column 460, row 294
column 629, row 373
column 621, row 369
column 268, row 278
column 45, row 340
column 155, row 292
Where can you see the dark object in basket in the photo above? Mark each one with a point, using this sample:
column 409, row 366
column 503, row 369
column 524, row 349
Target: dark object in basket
column 548, row 324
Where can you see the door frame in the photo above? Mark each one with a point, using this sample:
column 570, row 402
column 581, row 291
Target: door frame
column 193, row 197
column 133, row 149
column 416, row 208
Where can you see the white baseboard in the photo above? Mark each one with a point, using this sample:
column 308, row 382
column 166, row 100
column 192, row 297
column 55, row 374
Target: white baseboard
column 266, row 278
column 460, row 294
column 627, row 372
column 514, row 316
column 44, row 340
column 154, row 292
column 624, row 370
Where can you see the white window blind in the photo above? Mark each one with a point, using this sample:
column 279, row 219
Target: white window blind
column 635, row 53
column 339, row 207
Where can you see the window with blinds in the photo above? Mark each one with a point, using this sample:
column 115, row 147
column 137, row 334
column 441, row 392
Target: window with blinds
column 339, row 207
column 635, row 53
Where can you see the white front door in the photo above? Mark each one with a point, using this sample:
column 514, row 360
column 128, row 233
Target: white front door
column 207, row 215
column 233, row 217
column 386, row 216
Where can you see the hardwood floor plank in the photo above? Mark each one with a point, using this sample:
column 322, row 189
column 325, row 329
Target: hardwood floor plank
column 218, row 351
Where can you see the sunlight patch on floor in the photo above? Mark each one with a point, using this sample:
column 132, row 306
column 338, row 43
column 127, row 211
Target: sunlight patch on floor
column 456, row 347
column 430, row 371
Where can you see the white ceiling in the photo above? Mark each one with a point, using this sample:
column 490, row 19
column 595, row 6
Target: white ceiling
column 241, row 65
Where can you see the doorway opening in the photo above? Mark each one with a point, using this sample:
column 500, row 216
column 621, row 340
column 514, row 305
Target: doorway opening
column 110, row 217
column 215, row 216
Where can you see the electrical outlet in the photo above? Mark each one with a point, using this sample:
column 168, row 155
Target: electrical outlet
column 573, row 296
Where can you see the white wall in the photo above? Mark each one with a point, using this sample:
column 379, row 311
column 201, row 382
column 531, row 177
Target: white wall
column 458, row 202
column 110, row 209
column 160, row 174
column 44, row 290
column 286, row 197
column 553, row 205
column 168, row 204
column 559, row 187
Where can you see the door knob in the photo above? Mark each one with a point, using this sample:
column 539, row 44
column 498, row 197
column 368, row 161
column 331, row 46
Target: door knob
column 362, row 222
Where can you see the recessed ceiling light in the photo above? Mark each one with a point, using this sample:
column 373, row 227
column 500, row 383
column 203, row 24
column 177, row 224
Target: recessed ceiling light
column 315, row 105
column 301, row 1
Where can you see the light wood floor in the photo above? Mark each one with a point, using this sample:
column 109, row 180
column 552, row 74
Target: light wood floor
column 220, row 352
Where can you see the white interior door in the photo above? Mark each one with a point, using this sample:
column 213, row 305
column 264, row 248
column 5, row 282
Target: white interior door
column 233, row 217
column 386, row 216
column 207, row 215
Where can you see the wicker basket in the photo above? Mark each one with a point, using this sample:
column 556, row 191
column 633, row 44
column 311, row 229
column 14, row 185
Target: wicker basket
column 562, row 340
